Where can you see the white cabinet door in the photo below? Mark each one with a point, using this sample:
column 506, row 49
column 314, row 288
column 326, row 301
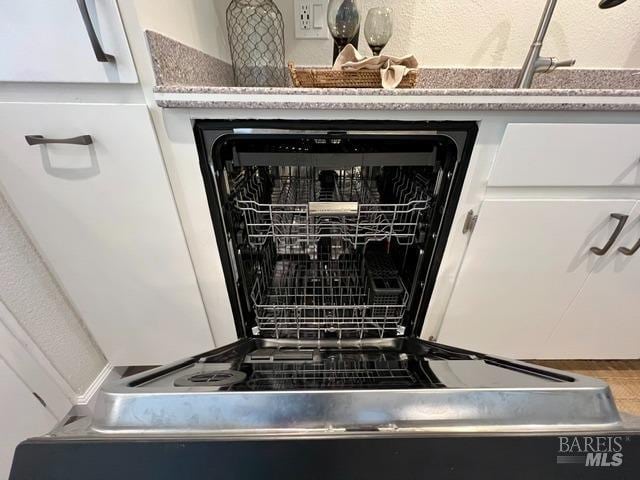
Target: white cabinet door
column 570, row 154
column 526, row 262
column 21, row 416
column 48, row 41
column 104, row 219
column 604, row 319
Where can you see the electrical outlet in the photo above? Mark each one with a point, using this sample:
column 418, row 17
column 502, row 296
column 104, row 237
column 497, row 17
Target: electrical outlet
column 304, row 17
column 310, row 18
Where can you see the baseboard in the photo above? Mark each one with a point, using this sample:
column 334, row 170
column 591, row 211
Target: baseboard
column 89, row 393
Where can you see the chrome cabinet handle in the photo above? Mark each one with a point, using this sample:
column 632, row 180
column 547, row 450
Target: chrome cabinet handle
column 622, row 219
column 101, row 56
column 630, row 251
column 40, row 140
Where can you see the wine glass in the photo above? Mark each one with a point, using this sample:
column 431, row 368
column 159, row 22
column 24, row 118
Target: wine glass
column 343, row 20
column 378, row 28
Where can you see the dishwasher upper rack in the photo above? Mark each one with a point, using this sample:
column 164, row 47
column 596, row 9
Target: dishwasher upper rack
column 350, row 210
column 301, row 298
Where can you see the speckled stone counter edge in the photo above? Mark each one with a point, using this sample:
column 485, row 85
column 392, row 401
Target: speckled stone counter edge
column 413, row 92
column 403, row 106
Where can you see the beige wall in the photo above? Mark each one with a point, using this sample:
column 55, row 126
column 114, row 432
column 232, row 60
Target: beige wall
column 472, row 33
column 495, row 33
column 197, row 23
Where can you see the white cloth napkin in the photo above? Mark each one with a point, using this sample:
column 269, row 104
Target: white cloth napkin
column 392, row 69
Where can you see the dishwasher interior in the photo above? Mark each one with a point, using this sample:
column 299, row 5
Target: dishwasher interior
column 330, row 237
column 330, row 253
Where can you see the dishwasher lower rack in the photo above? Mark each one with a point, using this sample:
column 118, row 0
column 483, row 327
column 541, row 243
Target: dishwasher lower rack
column 301, row 208
column 296, row 297
column 336, row 370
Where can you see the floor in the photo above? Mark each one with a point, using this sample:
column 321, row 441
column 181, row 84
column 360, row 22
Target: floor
column 623, row 376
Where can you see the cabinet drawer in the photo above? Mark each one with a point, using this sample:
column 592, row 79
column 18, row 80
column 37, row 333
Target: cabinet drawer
column 49, row 41
column 538, row 155
column 103, row 217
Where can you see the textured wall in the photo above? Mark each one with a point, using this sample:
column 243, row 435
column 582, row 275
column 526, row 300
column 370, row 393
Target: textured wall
column 471, row 33
column 495, row 33
column 30, row 293
column 197, row 23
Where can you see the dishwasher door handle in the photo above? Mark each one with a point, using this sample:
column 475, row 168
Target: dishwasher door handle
column 40, row 140
column 100, row 54
column 622, row 219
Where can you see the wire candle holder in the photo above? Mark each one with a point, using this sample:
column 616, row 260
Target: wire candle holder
column 256, row 39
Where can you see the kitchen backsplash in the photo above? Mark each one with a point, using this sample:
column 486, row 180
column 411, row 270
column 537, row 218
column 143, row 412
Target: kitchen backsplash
column 177, row 64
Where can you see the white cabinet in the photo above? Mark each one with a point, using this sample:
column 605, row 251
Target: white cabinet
column 526, row 263
column 104, row 219
column 556, row 155
column 48, row 41
column 529, row 285
column 603, row 321
column 21, row 416
column 33, row 397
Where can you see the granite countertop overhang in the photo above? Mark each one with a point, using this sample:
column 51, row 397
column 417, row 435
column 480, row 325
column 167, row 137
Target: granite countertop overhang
column 189, row 78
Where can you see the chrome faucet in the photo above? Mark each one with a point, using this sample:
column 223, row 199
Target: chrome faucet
column 534, row 63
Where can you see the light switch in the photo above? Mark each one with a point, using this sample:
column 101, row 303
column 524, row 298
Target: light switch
column 317, row 15
column 310, row 19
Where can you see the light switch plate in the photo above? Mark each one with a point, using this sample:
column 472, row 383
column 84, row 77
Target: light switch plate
column 310, row 18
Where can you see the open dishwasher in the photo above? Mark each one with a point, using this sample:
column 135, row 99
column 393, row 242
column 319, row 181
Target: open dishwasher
column 330, row 236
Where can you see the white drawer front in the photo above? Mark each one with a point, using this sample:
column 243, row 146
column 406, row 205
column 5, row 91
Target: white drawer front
column 47, row 41
column 104, row 219
column 538, row 155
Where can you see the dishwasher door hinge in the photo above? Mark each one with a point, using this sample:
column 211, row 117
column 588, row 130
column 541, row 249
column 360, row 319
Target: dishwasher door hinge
column 469, row 222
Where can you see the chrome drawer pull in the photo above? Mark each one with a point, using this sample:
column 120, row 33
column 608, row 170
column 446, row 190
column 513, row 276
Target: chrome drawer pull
column 622, row 219
column 40, row 140
column 100, row 54
column 630, row 251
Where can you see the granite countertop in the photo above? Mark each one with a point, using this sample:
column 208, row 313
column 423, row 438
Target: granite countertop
column 188, row 78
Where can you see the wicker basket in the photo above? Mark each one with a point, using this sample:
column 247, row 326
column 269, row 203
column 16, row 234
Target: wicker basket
column 327, row 78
